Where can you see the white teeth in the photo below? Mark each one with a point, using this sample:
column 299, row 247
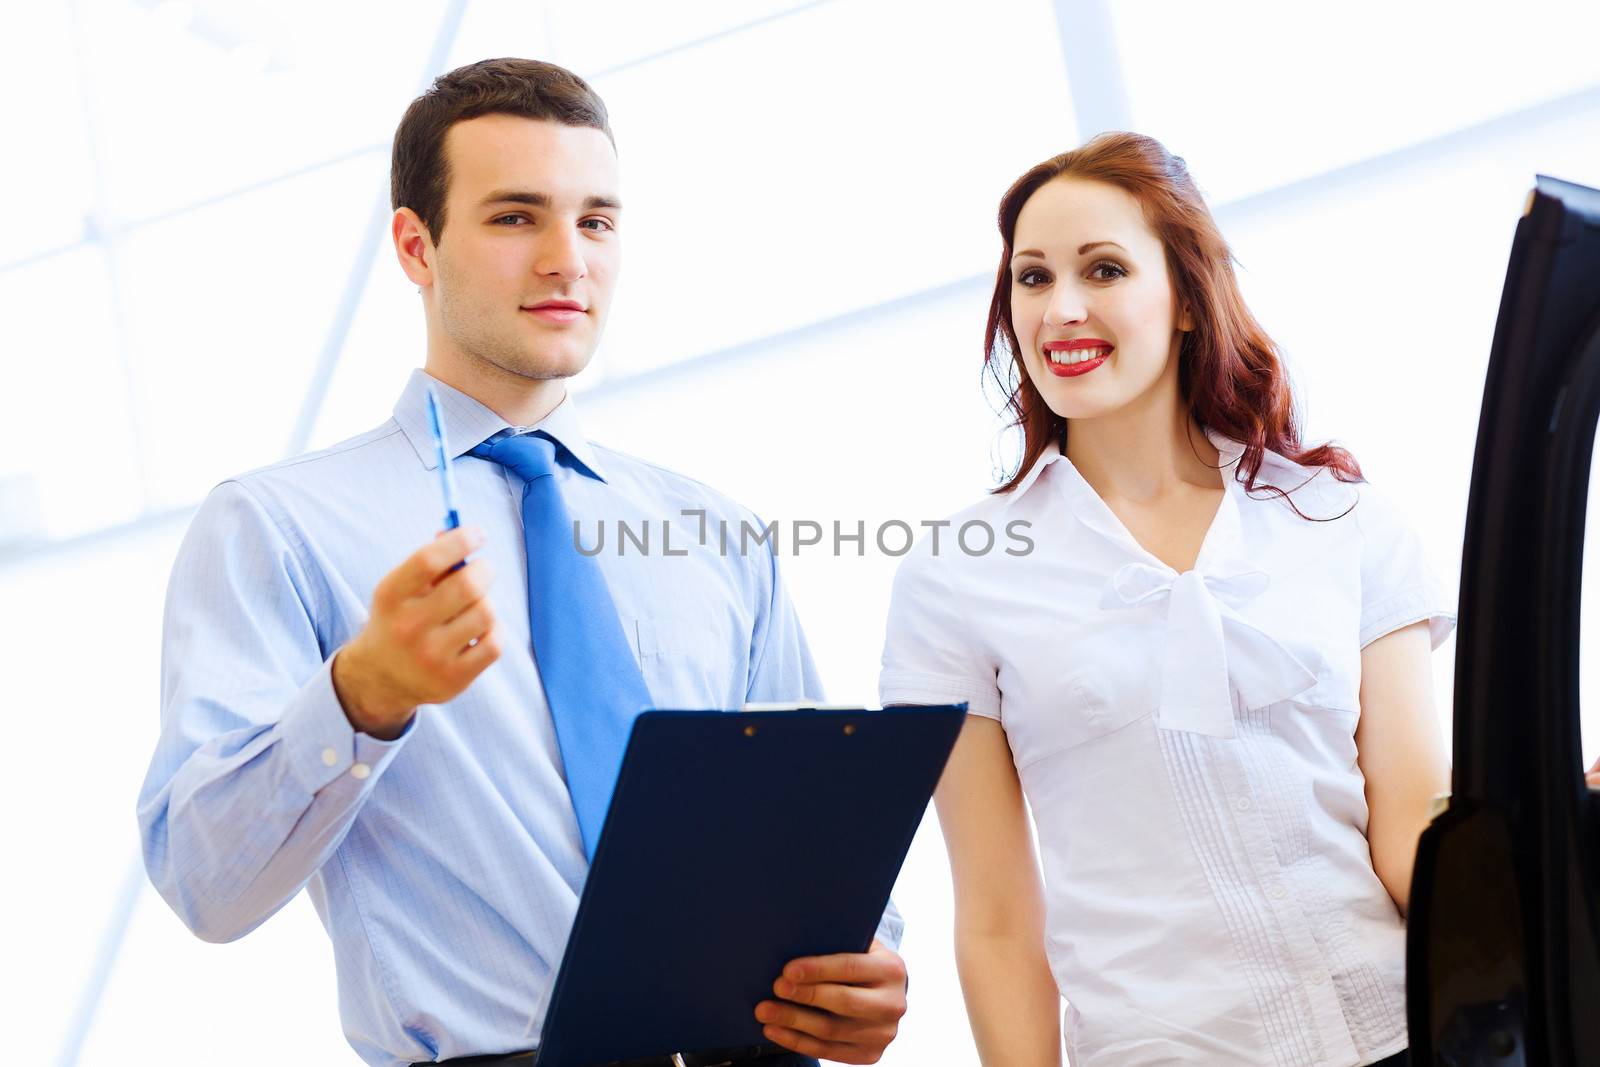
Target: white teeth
column 1082, row 355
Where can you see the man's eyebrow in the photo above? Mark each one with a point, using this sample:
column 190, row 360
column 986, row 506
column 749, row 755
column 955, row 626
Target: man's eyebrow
column 542, row 200
column 1034, row 253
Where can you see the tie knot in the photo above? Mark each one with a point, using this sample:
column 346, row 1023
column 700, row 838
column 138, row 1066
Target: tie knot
column 531, row 455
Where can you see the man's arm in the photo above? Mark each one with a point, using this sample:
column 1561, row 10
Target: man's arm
column 259, row 772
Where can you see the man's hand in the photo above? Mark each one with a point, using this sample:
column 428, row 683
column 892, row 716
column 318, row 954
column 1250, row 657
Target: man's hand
column 431, row 632
column 845, row 1008
column 1593, row 777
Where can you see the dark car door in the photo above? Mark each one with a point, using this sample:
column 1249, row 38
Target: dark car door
column 1503, row 962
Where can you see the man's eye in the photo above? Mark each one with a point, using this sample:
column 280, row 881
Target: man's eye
column 507, row 219
column 600, row 225
column 1032, row 276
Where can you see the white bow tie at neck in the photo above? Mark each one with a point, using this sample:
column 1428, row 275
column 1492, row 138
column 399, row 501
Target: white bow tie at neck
column 1210, row 649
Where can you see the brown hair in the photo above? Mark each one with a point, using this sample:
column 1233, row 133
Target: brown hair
column 419, row 173
column 1229, row 371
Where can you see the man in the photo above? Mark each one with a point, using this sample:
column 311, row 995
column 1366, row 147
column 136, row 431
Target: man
column 388, row 725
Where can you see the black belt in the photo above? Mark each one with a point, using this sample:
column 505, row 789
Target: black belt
column 728, row 1057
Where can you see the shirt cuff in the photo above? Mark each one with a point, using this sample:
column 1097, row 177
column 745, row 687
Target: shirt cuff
column 1422, row 603
column 322, row 746
column 891, row 928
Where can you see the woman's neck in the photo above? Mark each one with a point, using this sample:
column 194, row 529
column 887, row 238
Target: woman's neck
column 1143, row 452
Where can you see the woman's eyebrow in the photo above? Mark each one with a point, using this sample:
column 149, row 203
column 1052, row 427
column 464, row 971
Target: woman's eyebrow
column 1034, row 253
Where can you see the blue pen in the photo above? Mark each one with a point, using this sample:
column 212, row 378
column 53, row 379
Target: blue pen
column 447, row 481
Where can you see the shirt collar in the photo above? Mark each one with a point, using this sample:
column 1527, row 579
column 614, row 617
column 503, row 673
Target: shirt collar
column 467, row 423
column 1222, row 539
column 1228, row 452
column 1051, row 454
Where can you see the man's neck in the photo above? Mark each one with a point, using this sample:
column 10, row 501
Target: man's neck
column 520, row 401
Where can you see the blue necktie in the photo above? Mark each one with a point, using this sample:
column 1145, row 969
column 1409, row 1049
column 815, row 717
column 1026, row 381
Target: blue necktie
column 591, row 679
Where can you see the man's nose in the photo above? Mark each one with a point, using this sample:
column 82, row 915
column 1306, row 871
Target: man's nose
column 561, row 255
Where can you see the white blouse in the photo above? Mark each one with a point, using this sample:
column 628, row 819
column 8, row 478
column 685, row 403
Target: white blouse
column 1187, row 746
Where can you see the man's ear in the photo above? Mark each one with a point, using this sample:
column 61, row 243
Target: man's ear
column 413, row 245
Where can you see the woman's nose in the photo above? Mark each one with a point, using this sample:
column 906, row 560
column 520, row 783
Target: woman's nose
column 1065, row 309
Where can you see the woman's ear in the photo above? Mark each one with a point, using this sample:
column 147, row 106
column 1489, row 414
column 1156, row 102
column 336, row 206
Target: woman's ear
column 1185, row 320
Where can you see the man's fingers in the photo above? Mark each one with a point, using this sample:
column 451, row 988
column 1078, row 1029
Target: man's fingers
column 846, row 1007
column 870, row 1003
column 825, row 1026
column 458, row 591
column 836, row 1051
column 456, row 636
column 475, row 658
column 417, row 573
column 880, row 966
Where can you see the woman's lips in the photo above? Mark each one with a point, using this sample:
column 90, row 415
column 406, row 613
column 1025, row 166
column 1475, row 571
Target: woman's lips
column 1074, row 370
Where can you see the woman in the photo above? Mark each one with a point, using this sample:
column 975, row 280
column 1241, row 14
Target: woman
column 1209, row 678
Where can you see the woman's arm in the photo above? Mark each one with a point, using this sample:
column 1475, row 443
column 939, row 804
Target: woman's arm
column 1012, row 1002
column 1400, row 751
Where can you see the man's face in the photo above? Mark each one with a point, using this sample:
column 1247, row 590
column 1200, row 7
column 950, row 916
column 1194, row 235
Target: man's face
column 528, row 260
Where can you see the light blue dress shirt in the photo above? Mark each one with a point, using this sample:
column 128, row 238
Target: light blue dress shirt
column 446, row 865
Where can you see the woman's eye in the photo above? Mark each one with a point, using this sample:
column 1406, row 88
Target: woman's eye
column 1031, row 277
column 1106, row 264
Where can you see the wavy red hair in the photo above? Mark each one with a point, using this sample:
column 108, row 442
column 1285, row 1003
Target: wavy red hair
column 1230, row 373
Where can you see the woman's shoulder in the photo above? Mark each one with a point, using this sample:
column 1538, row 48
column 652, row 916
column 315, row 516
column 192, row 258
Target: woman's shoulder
column 948, row 550
column 1319, row 492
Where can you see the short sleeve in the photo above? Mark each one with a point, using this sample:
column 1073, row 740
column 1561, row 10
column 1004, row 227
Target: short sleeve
column 930, row 655
column 1398, row 587
column 781, row 667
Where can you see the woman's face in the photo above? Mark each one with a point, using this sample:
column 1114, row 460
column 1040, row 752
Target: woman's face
column 1091, row 301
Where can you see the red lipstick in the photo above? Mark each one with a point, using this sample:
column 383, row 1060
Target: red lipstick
column 1066, row 368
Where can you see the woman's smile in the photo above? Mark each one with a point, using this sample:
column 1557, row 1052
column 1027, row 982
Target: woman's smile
column 1072, row 359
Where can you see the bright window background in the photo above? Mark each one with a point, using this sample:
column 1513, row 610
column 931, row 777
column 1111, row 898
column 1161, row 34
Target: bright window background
column 194, row 280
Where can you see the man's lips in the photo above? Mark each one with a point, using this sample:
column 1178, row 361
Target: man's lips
column 557, row 310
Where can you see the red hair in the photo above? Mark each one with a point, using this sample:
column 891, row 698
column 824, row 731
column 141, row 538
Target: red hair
column 1230, row 373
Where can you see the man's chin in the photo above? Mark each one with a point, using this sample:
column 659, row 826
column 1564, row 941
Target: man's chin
column 542, row 366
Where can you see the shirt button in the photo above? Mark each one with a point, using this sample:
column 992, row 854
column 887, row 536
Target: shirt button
column 360, row 770
column 329, row 757
column 1277, row 892
column 1243, row 803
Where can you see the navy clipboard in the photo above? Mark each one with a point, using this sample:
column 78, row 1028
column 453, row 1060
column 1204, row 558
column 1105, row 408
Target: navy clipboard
column 736, row 842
